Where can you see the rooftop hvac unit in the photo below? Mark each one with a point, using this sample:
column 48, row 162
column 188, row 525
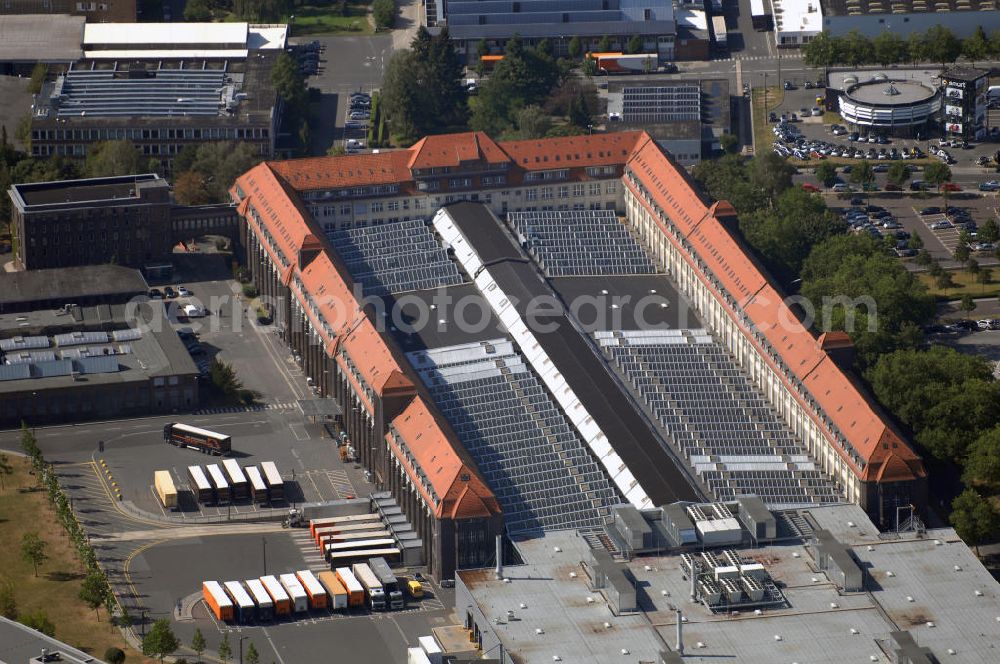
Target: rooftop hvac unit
column 754, row 589
column 732, row 589
column 709, row 591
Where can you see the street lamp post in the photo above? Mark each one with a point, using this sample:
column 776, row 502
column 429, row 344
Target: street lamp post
column 241, row 648
column 263, row 542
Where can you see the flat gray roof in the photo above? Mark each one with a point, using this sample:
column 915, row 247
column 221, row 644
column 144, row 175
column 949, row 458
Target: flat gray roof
column 86, row 190
column 18, row 644
column 41, row 38
column 816, row 626
column 157, row 353
column 68, row 283
column 890, row 93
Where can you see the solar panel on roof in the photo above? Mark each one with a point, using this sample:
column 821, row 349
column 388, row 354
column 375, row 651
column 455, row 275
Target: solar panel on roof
column 24, row 343
column 52, row 368
column 172, row 92
column 15, row 371
column 94, row 365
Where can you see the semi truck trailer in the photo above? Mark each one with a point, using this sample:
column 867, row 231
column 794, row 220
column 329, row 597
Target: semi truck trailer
column 282, row 602
column 390, row 584
column 373, row 587
column 258, row 490
column 355, row 591
column 334, row 588
column 265, row 605
column 237, row 480
column 217, row 600
column 314, row 589
column 300, row 601
column 272, row 478
column 165, row 490
column 246, row 610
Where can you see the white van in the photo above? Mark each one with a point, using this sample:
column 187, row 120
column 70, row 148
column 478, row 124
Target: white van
column 194, row 311
column 840, row 187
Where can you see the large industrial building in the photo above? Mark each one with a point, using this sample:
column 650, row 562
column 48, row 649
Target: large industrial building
column 114, row 11
column 127, row 220
column 905, row 17
column 163, row 86
column 741, row 585
column 66, row 360
column 558, row 21
column 898, row 103
column 667, row 369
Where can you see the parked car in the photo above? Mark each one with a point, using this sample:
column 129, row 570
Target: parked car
column 183, row 292
column 986, row 324
column 789, row 85
column 842, row 188
column 941, row 225
column 951, row 186
column 155, row 294
column 992, row 185
column 772, row 117
column 169, row 292
column 817, row 111
column 810, row 187
column 893, row 187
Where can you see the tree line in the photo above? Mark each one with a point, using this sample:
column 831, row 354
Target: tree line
column 947, row 402
column 937, row 44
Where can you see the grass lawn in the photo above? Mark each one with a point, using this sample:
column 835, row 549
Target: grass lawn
column 57, row 586
column 322, row 19
column 762, row 136
column 964, row 283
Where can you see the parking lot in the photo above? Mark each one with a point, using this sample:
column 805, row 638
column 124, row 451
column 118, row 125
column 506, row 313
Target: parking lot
column 156, row 560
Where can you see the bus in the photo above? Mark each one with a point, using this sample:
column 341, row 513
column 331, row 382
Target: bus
column 759, row 17
column 237, row 480
column 200, row 487
column 222, row 494
column 203, row 440
column 272, row 478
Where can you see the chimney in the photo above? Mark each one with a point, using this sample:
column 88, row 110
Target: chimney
column 680, row 639
column 499, row 557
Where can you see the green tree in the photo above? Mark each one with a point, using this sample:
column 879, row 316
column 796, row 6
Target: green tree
column 5, row 469
column 961, row 253
column 635, row 45
column 290, row 85
column 729, row 143
column 384, row 12
column 115, row 655
column 898, row 173
column 190, row 189
column 857, row 49
column 968, row 305
column 916, row 47
column 38, row 74
column 863, row 174
column 8, row 600
column 974, row 518
column 989, row 231
column 858, row 287
column 253, row 657
column 995, row 44
column 578, row 114
column 936, row 174
column 197, row 11
column 826, row 173
column 110, row 158
column 533, row 122
column 772, row 174
column 224, row 378
column 160, row 641
column 728, row 178
column 33, row 550
column 976, row 47
column 946, row 398
column 604, row 46
column 823, row 51
column 198, row 644
column 482, row 48
column 225, row 650
column 888, row 48
column 982, row 466
column 94, row 591
column 38, row 620
column 784, row 237
column 575, row 48
column 941, row 45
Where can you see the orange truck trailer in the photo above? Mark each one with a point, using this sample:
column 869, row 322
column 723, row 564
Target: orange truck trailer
column 282, row 602
column 217, row 600
column 335, row 521
column 314, row 589
column 334, row 588
column 355, row 591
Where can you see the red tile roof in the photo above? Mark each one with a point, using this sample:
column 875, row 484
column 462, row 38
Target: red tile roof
column 462, row 493
column 885, row 454
column 573, row 151
column 345, row 171
column 454, row 149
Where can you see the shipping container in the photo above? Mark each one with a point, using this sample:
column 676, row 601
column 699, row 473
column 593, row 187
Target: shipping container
column 263, row 601
column 373, row 587
column 314, row 589
column 165, row 490
column 334, row 588
column 272, row 478
column 219, row 483
column 282, row 602
column 300, row 600
column 218, row 602
column 390, row 584
column 336, row 558
column 355, row 591
column 759, row 17
column 258, row 490
column 237, row 480
column 202, row 440
column 245, row 607
column 200, row 486
column 319, row 533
